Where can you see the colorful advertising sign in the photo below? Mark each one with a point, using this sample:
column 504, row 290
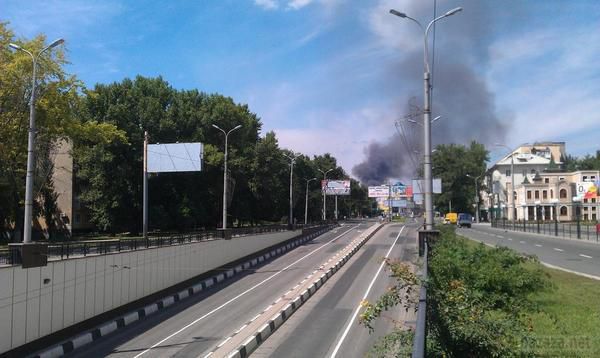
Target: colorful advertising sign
column 335, row 187
column 587, row 189
column 398, row 191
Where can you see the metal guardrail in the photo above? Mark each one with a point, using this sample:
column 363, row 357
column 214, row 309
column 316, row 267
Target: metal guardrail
column 576, row 229
column 68, row 249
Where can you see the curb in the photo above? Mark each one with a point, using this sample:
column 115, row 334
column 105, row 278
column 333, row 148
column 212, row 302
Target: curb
column 278, row 319
column 67, row 346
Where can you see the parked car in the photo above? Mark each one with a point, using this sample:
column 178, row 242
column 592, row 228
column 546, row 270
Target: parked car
column 464, row 220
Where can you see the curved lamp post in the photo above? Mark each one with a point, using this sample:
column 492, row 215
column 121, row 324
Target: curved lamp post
column 27, row 220
column 225, row 173
column 292, row 159
column 427, row 114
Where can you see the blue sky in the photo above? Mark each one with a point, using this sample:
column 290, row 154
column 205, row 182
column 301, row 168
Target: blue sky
column 324, row 75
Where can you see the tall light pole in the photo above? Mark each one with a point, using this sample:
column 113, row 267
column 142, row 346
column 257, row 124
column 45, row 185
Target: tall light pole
column 28, row 217
column 225, row 173
column 427, row 115
column 476, row 193
column 306, row 201
column 512, row 183
column 292, row 159
column 324, row 194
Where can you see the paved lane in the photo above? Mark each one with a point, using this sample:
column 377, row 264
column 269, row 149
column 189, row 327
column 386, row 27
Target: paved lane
column 327, row 323
column 195, row 326
column 571, row 254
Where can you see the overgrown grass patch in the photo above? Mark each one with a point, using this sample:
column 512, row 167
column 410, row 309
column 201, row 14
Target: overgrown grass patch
column 565, row 317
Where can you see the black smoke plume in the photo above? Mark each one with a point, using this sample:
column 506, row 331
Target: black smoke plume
column 460, row 94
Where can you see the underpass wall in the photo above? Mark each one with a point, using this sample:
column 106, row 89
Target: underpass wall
column 39, row 301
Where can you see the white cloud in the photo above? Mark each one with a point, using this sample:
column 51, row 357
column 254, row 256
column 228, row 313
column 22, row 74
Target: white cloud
column 298, row 4
column 267, row 4
column 547, row 77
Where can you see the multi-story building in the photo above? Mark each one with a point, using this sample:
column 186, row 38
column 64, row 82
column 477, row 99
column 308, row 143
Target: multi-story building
column 541, row 189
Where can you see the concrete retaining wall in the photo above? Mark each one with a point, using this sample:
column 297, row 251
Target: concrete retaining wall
column 38, row 301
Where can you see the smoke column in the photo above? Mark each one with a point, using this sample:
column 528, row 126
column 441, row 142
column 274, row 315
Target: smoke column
column 460, row 93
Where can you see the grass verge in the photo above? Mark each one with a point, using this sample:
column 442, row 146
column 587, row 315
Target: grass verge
column 566, row 319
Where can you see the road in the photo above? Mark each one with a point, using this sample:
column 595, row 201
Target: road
column 571, row 254
column 194, row 326
column 327, row 325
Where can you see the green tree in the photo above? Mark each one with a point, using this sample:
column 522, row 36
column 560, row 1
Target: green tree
column 57, row 105
column 452, row 163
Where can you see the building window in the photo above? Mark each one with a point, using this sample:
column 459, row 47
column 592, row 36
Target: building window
column 585, row 178
column 563, row 211
column 537, row 194
column 563, row 193
column 551, row 194
column 545, row 194
column 561, row 178
column 528, row 194
column 593, row 177
column 507, row 172
column 515, row 195
column 585, row 201
column 593, row 200
column 546, row 180
column 77, row 218
column 532, row 171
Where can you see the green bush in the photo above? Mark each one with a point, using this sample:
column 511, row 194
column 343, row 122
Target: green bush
column 478, row 299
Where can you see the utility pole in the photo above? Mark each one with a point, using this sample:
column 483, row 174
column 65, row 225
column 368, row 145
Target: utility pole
column 306, row 201
column 145, row 195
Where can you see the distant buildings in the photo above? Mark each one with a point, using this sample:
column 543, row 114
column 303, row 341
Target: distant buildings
column 542, row 189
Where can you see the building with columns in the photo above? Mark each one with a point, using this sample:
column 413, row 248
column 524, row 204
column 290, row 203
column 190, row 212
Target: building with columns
column 541, row 190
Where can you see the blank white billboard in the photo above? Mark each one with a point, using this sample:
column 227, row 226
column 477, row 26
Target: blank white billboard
column 419, row 186
column 175, row 157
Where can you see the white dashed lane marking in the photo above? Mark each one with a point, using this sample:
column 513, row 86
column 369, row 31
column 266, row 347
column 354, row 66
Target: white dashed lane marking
column 586, row 256
column 561, row 250
column 538, row 245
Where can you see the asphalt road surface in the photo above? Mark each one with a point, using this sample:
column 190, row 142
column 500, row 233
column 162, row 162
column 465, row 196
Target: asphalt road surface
column 571, row 254
column 327, row 325
column 194, row 326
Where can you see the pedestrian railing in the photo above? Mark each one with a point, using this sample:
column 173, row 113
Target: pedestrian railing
column 69, row 249
column 577, row 229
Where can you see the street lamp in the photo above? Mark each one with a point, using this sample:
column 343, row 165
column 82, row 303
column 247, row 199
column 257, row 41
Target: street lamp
column 324, row 194
column 427, row 115
column 292, row 159
column 512, row 183
column 27, row 220
column 306, row 201
column 476, row 193
column 225, row 172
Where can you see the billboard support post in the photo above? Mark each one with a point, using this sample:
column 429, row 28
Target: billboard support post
column 336, row 211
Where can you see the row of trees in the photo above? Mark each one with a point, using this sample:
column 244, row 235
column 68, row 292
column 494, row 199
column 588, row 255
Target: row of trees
column 105, row 126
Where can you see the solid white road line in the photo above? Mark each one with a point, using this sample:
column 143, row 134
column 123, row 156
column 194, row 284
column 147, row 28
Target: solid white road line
column 586, row 256
column 240, row 295
column 561, row 250
column 538, row 245
column 339, row 344
column 570, row 271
